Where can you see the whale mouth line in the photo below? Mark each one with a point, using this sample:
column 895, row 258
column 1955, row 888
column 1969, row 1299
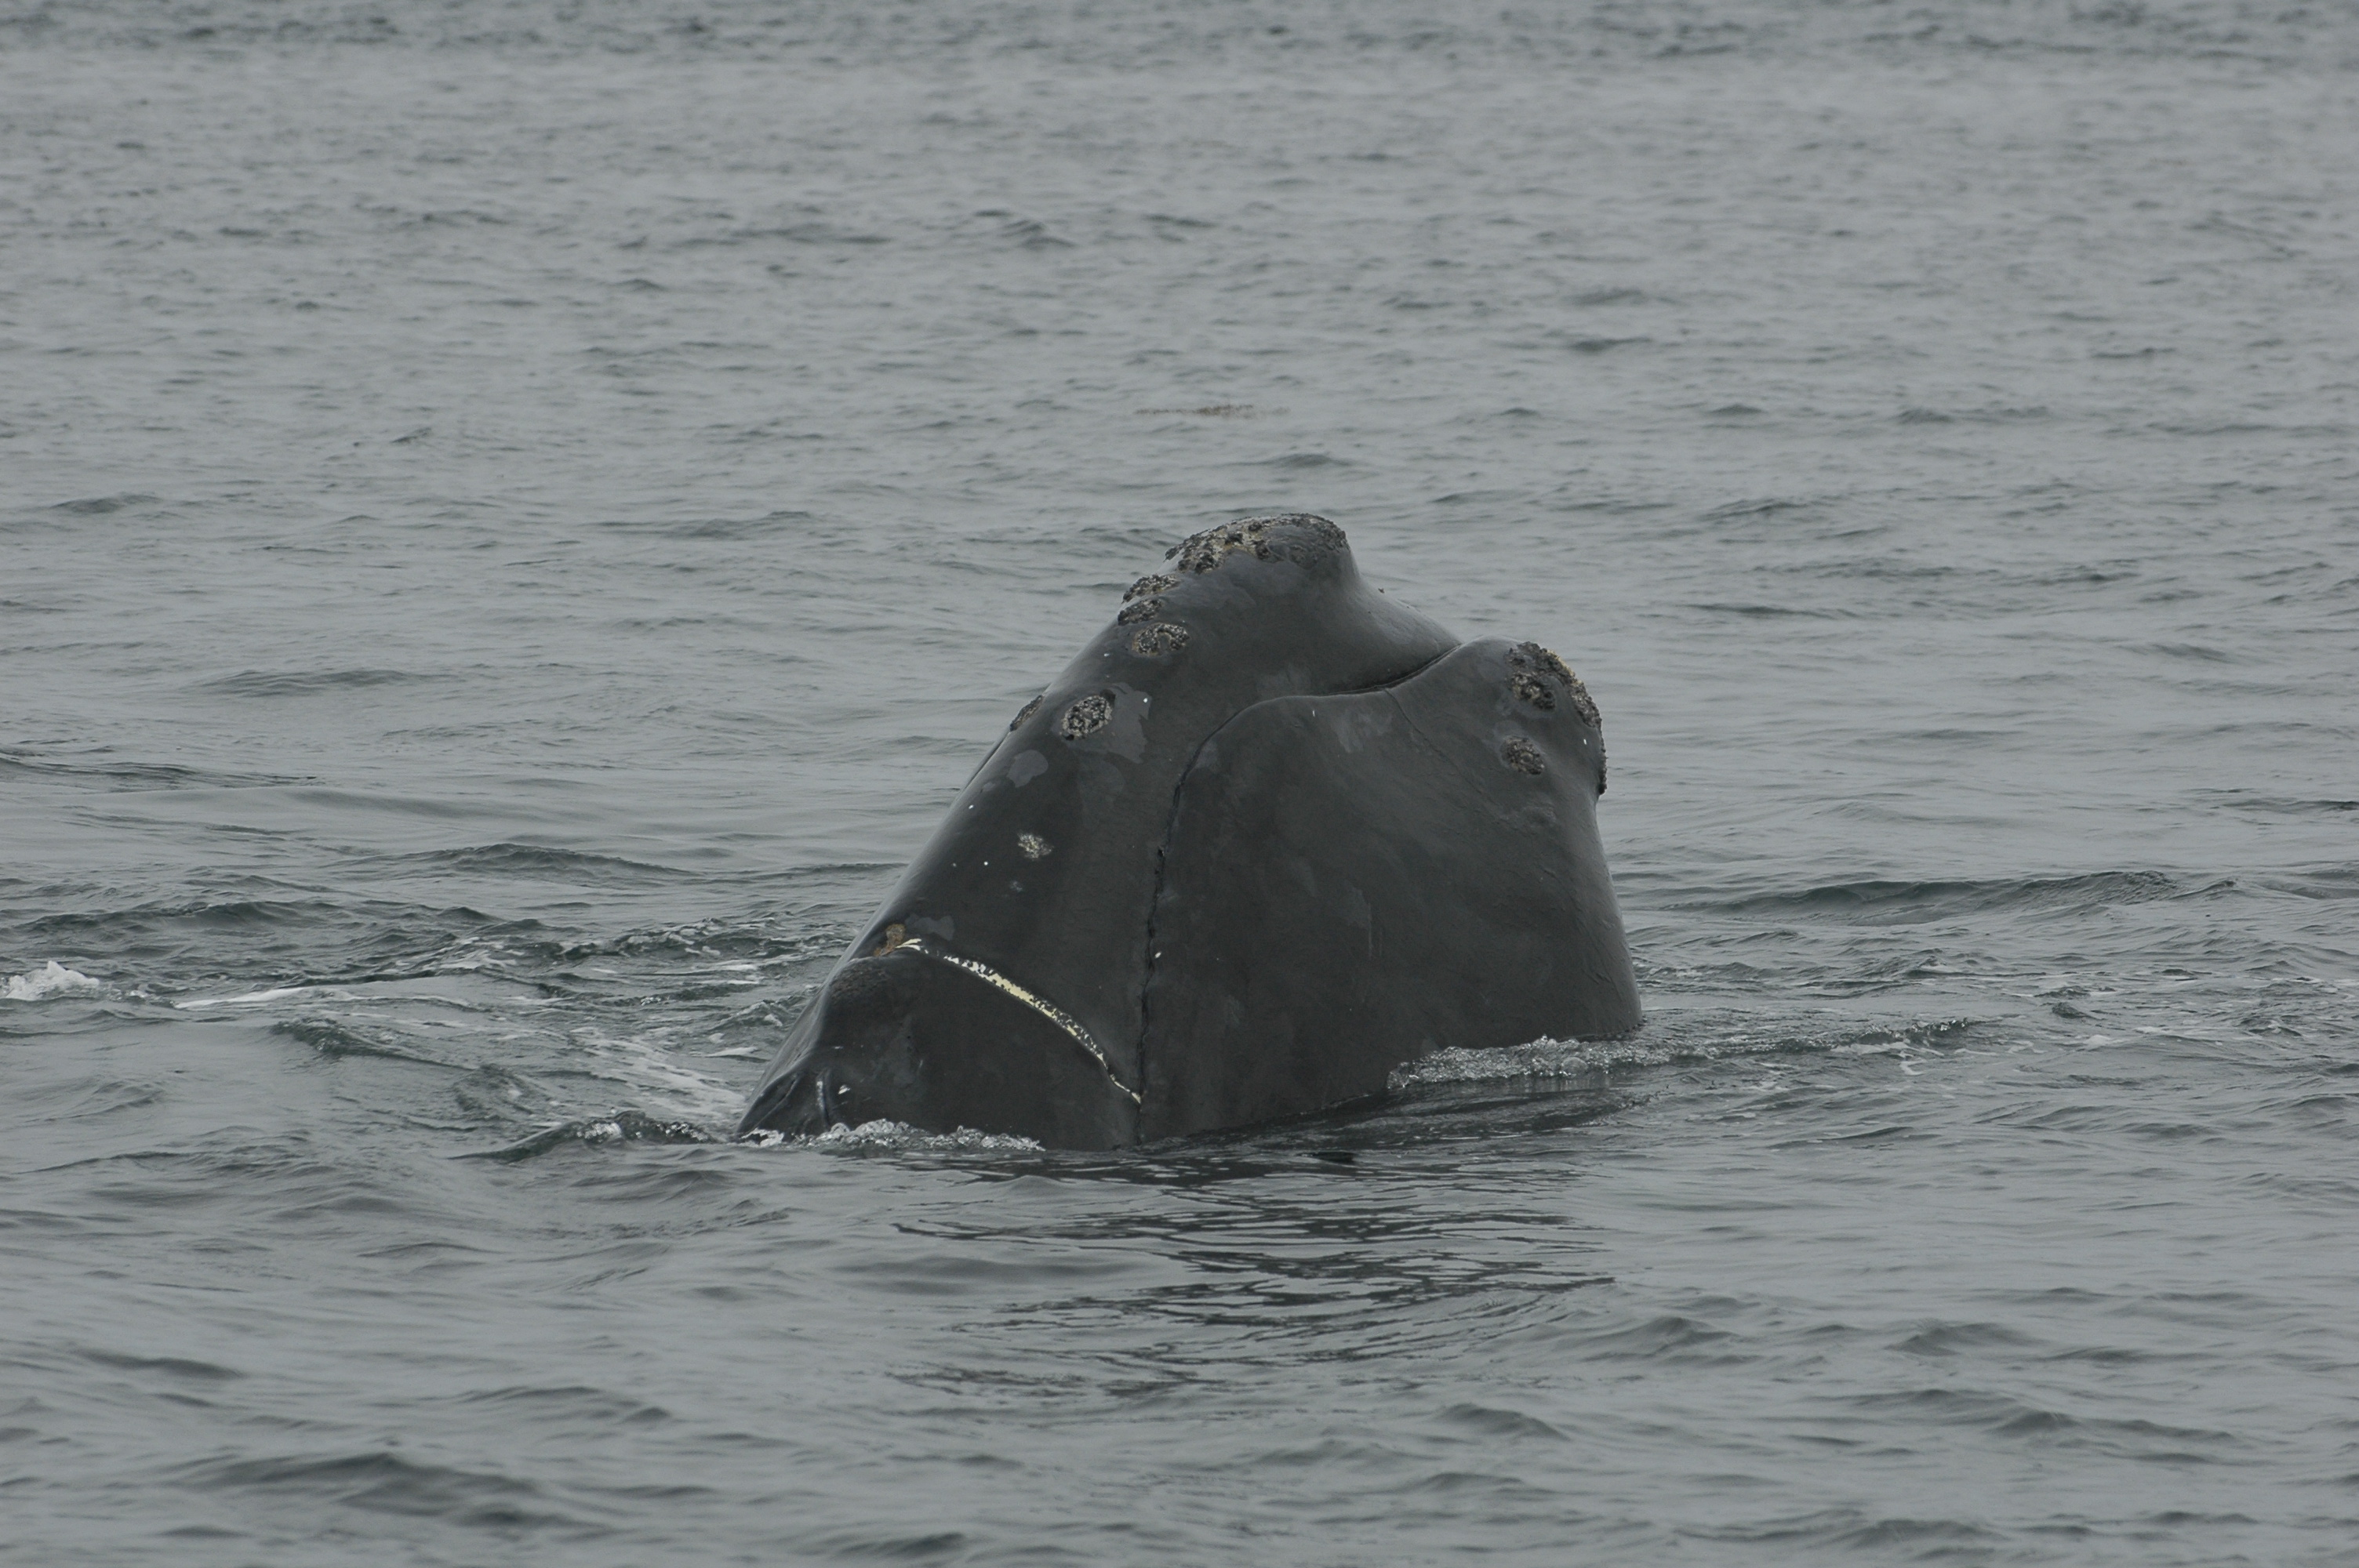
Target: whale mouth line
column 1040, row 1005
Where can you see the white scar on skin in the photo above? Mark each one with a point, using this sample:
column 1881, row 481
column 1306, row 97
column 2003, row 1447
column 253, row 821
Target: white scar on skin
column 1040, row 1005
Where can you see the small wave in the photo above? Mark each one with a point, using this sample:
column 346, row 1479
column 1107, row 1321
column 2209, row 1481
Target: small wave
column 1765, row 611
column 1943, row 1339
column 1852, row 1529
column 1667, row 1334
column 650, row 1069
column 235, row 914
column 272, row 994
column 52, row 979
column 898, row 1135
column 133, row 775
column 813, row 233
column 622, row 1127
column 1668, row 1039
column 542, row 861
column 2329, row 881
column 1763, row 506
column 1543, row 1058
column 2282, row 806
column 306, row 683
column 709, row 939
column 332, row 1039
column 1996, row 414
column 100, row 505
column 172, row 1366
column 1034, row 235
column 1493, row 1420
column 1902, row 903
column 2198, row 651
column 1026, row 234
column 768, row 524
column 384, row 1482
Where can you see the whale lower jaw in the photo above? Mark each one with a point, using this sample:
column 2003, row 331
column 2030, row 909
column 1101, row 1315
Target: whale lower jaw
column 938, row 1041
column 1041, row 1005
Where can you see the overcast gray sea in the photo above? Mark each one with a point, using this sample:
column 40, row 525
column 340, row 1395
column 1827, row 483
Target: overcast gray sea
column 517, row 518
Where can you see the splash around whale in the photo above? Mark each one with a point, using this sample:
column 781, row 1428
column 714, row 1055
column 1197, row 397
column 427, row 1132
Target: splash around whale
column 1269, row 836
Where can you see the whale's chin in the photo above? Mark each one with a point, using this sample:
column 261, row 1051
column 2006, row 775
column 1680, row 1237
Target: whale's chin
column 908, row 1037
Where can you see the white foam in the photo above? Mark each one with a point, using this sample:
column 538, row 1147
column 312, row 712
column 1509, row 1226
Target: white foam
column 1542, row 1058
column 52, row 979
column 249, row 997
column 884, row 1134
column 403, row 990
column 656, row 1075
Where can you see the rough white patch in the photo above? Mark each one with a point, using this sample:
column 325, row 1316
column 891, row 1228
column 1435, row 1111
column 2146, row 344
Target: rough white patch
column 52, row 979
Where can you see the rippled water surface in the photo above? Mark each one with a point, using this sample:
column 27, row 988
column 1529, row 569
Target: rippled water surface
column 515, row 519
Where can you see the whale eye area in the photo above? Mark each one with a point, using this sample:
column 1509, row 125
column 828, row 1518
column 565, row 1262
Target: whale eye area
column 1087, row 716
column 1523, row 756
column 1027, row 711
column 1032, row 846
column 1145, row 609
column 1163, row 637
column 893, row 936
column 1155, row 582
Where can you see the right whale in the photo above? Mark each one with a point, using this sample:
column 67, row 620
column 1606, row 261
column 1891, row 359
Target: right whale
column 1269, row 837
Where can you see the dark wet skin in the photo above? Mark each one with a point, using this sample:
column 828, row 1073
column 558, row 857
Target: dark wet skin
column 1005, row 984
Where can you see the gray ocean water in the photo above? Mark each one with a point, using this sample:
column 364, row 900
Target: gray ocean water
column 517, row 518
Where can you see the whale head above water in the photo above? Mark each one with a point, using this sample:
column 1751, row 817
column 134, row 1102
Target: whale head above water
column 1268, row 837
